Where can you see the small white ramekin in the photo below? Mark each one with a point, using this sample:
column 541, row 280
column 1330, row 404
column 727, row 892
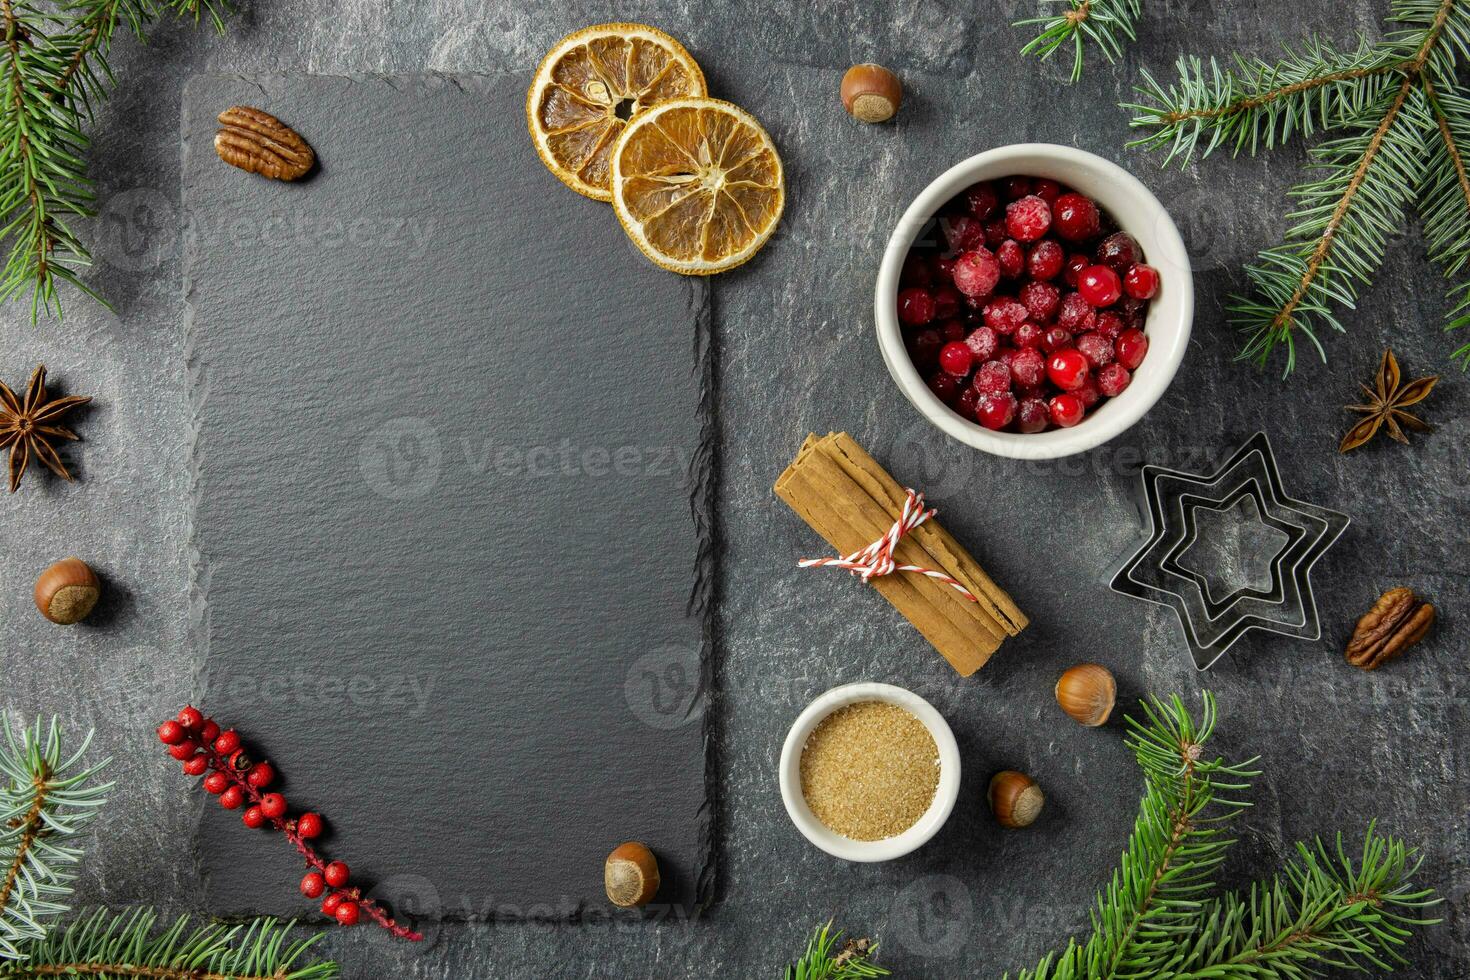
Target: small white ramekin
column 1136, row 211
column 880, row 850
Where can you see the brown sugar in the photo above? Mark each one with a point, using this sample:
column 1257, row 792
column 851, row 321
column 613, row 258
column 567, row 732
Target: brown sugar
column 869, row 770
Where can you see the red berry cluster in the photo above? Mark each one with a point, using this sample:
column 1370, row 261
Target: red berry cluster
column 233, row 778
column 1030, row 311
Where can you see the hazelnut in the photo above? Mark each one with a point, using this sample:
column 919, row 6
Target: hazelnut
column 67, row 591
column 630, row 875
column 871, row 93
column 1087, row 693
column 1015, row 799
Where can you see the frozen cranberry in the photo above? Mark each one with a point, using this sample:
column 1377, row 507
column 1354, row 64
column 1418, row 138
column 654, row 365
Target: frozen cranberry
column 915, row 307
column 1112, row 379
column 1110, row 324
column 995, row 232
column 1077, row 218
column 1028, row 334
column 1141, row 281
column 1004, row 316
column 993, row 378
column 996, row 411
column 1072, row 311
column 1133, row 311
column 946, row 302
column 982, row 200
column 951, row 330
column 1032, row 415
column 1028, row 219
column 1012, row 258
column 1131, row 346
column 915, row 271
column 1074, row 268
column 962, row 232
column 1047, row 190
column 1067, row 368
column 1066, row 410
column 1099, row 285
column 944, row 385
column 976, row 273
column 1045, row 260
column 1055, row 339
column 942, row 267
column 1088, row 392
column 1040, row 299
column 1096, row 348
column 1028, row 367
column 983, row 342
column 924, row 348
column 955, row 358
column 968, row 400
column 1119, row 251
column 1016, row 187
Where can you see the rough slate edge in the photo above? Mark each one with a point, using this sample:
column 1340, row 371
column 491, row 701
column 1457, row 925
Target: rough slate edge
column 703, row 479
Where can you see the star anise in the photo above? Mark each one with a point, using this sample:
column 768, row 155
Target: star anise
column 1386, row 404
column 28, row 425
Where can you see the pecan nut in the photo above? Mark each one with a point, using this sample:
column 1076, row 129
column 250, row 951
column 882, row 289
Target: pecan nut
column 260, row 143
column 1397, row 621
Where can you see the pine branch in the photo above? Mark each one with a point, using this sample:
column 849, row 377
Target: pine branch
column 1444, row 201
column 824, row 961
column 107, row 945
column 1324, row 911
column 1106, row 24
column 46, row 800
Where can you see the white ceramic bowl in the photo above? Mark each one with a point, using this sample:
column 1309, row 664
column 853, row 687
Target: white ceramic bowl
column 1136, row 211
column 891, row 847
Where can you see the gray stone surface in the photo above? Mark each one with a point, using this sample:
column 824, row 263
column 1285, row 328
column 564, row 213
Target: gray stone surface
column 795, row 352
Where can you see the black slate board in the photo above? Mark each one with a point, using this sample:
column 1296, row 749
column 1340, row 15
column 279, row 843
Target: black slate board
column 451, row 484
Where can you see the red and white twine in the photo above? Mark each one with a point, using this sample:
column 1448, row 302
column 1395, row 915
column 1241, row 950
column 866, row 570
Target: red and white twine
column 876, row 560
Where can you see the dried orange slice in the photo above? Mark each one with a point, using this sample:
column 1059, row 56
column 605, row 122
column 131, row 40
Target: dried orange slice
column 587, row 88
column 697, row 184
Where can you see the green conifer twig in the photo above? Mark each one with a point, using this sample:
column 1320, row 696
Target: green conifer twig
column 1106, row 24
column 823, row 960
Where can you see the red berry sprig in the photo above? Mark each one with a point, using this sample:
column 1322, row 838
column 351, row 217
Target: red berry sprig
column 236, row 780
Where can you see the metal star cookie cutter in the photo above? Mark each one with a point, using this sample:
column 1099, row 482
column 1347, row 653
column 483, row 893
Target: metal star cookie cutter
column 1171, row 501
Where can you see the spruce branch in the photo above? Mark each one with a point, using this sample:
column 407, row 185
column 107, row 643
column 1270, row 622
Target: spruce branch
column 823, row 960
column 1444, row 201
column 47, row 798
column 1106, row 24
column 130, row 944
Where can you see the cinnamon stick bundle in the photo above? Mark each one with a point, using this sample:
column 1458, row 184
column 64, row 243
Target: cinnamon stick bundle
column 847, row 498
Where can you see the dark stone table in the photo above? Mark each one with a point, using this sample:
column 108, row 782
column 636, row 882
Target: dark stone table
column 795, row 353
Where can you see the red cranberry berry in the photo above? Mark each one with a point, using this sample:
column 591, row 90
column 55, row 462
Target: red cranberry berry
column 309, row 825
column 1131, row 346
column 915, row 271
column 1032, row 416
column 209, row 732
column 1055, row 339
column 1028, row 367
column 924, row 348
column 171, row 733
column 231, row 798
column 1028, row 219
column 273, row 806
column 996, row 411
column 915, row 307
column 1096, row 348
column 1016, row 187
column 995, row 232
column 946, row 302
column 1012, row 258
column 1047, row 190
column 216, row 783
column 1045, row 260
column 191, row 718
column 943, row 268
column 1067, row 368
column 184, row 750
column 330, row 903
column 1066, row 410
column 347, row 914
column 962, row 233
column 1040, row 299
column 968, row 400
column 312, row 885
column 1110, row 324
column 1099, row 285
column 951, row 330
column 983, row 342
column 227, row 742
column 993, row 378
column 976, row 273
column 982, row 200
column 253, row 817
column 336, row 873
column 262, row 775
column 1077, row 218
column 955, row 358
column 1072, row 311
column 1119, row 251
column 1113, row 379
column 944, row 385
column 1088, row 392
column 1073, row 269
column 196, row 766
column 1141, row 281
column 1028, row 334
column 1004, row 316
